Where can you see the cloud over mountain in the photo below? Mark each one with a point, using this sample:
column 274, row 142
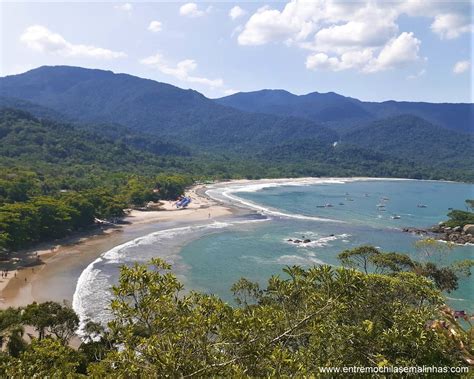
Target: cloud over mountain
column 40, row 38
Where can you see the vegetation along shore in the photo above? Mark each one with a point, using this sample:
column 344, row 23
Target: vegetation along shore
column 91, row 159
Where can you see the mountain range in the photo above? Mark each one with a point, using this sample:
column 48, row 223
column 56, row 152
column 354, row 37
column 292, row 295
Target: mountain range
column 273, row 127
column 338, row 111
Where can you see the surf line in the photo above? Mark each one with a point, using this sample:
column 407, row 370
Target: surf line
column 251, row 205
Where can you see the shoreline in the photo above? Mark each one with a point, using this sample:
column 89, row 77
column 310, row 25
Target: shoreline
column 49, row 272
column 62, row 262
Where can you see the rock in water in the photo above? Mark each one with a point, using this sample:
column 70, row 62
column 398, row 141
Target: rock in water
column 468, row 229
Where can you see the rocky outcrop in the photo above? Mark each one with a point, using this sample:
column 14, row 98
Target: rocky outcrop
column 417, row 231
column 468, row 229
column 299, row 241
column 457, row 234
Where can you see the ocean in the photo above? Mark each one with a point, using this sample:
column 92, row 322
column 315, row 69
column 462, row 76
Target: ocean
column 334, row 214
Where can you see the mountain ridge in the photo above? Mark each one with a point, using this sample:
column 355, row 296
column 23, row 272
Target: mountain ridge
column 316, row 106
column 159, row 117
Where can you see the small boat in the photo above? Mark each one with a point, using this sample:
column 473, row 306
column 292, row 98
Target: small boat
column 380, row 205
column 385, row 198
column 348, row 199
column 396, row 217
column 320, row 206
column 341, row 203
column 422, row 206
column 329, row 205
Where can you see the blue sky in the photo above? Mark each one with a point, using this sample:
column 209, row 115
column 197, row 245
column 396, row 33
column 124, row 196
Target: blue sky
column 372, row 50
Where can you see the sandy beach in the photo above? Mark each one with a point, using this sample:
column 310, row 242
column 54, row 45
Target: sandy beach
column 50, row 271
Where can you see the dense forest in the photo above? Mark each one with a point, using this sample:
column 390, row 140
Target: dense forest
column 58, row 177
column 238, row 135
column 378, row 310
column 342, row 113
column 80, row 146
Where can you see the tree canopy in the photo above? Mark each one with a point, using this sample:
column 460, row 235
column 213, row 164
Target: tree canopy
column 302, row 320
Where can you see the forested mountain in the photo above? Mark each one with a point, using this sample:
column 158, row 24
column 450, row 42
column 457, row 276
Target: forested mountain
column 273, row 133
column 155, row 108
column 328, row 108
column 342, row 112
column 413, row 138
column 24, row 138
column 36, row 110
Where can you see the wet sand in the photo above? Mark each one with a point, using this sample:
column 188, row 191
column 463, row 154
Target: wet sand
column 61, row 263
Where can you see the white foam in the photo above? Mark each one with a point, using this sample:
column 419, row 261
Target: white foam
column 288, row 260
column 229, row 194
column 227, row 191
column 93, row 285
column 257, row 185
column 298, row 260
column 320, row 242
column 455, row 298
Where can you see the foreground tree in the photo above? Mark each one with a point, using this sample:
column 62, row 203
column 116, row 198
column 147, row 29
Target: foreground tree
column 11, row 331
column 46, row 358
column 307, row 319
column 445, row 277
column 303, row 320
column 51, row 318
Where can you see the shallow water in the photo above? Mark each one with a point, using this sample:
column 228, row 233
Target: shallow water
column 212, row 256
column 217, row 261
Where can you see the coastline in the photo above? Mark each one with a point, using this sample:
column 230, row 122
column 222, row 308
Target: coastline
column 62, row 262
column 51, row 270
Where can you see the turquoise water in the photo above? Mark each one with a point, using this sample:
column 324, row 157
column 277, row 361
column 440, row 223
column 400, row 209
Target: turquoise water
column 212, row 255
column 258, row 250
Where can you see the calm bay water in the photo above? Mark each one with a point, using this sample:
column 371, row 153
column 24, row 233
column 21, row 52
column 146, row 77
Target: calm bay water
column 213, row 255
column 260, row 250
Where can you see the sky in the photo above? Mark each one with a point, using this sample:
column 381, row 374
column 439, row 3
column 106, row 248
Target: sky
column 414, row 50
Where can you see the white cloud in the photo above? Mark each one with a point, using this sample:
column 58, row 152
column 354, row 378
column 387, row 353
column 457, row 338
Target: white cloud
column 236, row 12
column 126, row 7
column 41, row 39
column 155, row 26
column 369, row 27
column 321, row 61
column 397, row 52
column 191, row 10
column 181, row 71
column 236, row 30
column 461, row 66
column 351, row 59
column 353, row 34
column 450, row 26
column 337, row 20
column 270, row 25
column 230, row 91
column 419, row 74
column 451, row 19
